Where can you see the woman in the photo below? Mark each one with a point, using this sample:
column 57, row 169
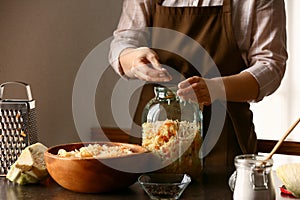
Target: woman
column 246, row 40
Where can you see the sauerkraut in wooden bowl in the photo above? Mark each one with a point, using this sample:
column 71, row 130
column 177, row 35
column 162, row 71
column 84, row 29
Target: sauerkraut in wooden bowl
column 95, row 167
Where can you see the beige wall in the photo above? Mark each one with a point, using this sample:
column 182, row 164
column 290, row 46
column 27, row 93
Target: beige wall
column 43, row 43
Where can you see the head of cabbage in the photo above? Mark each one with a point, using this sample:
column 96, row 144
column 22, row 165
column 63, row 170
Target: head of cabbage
column 289, row 174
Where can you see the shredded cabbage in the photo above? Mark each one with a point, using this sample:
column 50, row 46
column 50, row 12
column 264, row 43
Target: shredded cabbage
column 289, row 174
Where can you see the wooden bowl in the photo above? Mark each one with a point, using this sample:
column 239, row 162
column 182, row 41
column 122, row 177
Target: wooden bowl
column 94, row 175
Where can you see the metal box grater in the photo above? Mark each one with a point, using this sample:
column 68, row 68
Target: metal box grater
column 18, row 127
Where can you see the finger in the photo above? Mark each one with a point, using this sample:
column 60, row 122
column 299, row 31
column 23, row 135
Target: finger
column 189, row 81
column 202, row 98
column 166, row 73
column 153, row 59
column 189, row 92
column 197, row 92
column 149, row 78
column 146, row 73
column 192, row 88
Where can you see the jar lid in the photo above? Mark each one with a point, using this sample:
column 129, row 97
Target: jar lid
column 165, row 92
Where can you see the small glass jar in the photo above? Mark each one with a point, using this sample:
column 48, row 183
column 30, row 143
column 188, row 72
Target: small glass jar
column 172, row 130
column 253, row 178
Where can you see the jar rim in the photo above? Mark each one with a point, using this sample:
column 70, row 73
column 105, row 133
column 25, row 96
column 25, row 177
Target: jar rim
column 252, row 160
column 165, row 92
column 165, row 87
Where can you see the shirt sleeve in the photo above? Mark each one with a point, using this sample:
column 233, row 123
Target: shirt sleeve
column 132, row 31
column 267, row 53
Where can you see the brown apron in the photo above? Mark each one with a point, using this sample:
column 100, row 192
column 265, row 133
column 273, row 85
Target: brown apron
column 211, row 27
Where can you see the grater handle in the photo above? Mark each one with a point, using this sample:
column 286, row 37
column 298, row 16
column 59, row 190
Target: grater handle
column 27, row 87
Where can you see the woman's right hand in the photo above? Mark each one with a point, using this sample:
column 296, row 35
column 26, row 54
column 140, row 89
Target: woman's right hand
column 143, row 63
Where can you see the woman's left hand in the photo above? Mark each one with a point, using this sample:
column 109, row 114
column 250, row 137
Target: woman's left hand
column 240, row 87
column 195, row 89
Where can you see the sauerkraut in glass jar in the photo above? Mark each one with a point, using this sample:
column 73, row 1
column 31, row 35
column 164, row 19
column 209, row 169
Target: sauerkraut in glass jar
column 172, row 130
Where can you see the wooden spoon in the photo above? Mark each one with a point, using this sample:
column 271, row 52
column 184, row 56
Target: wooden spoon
column 281, row 140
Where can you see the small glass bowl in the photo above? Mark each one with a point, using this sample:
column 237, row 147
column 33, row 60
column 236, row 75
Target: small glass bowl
column 164, row 186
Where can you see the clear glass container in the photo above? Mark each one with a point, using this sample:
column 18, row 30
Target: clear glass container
column 253, row 178
column 172, row 130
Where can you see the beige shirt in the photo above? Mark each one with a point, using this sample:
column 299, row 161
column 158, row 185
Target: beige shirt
column 259, row 27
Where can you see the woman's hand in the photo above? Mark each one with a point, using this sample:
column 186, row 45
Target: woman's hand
column 143, row 63
column 194, row 89
column 201, row 90
column 241, row 87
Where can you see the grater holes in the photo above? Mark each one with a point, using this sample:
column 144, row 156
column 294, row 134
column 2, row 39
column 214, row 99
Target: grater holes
column 16, row 138
column 11, row 132
column 8, row 125
column 17, row 128
column 5, row 139
column 11, row 112
column 18, row 116
column 14, row 126
column 2, row 113
column 2, row 125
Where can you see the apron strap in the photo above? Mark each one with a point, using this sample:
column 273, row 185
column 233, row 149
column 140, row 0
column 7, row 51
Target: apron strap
column 226, row 6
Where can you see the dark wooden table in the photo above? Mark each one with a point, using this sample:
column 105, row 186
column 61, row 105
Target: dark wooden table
column 212, row 188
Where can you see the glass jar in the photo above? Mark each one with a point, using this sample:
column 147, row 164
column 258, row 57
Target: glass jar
column 253, row 178
column 172, row 130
